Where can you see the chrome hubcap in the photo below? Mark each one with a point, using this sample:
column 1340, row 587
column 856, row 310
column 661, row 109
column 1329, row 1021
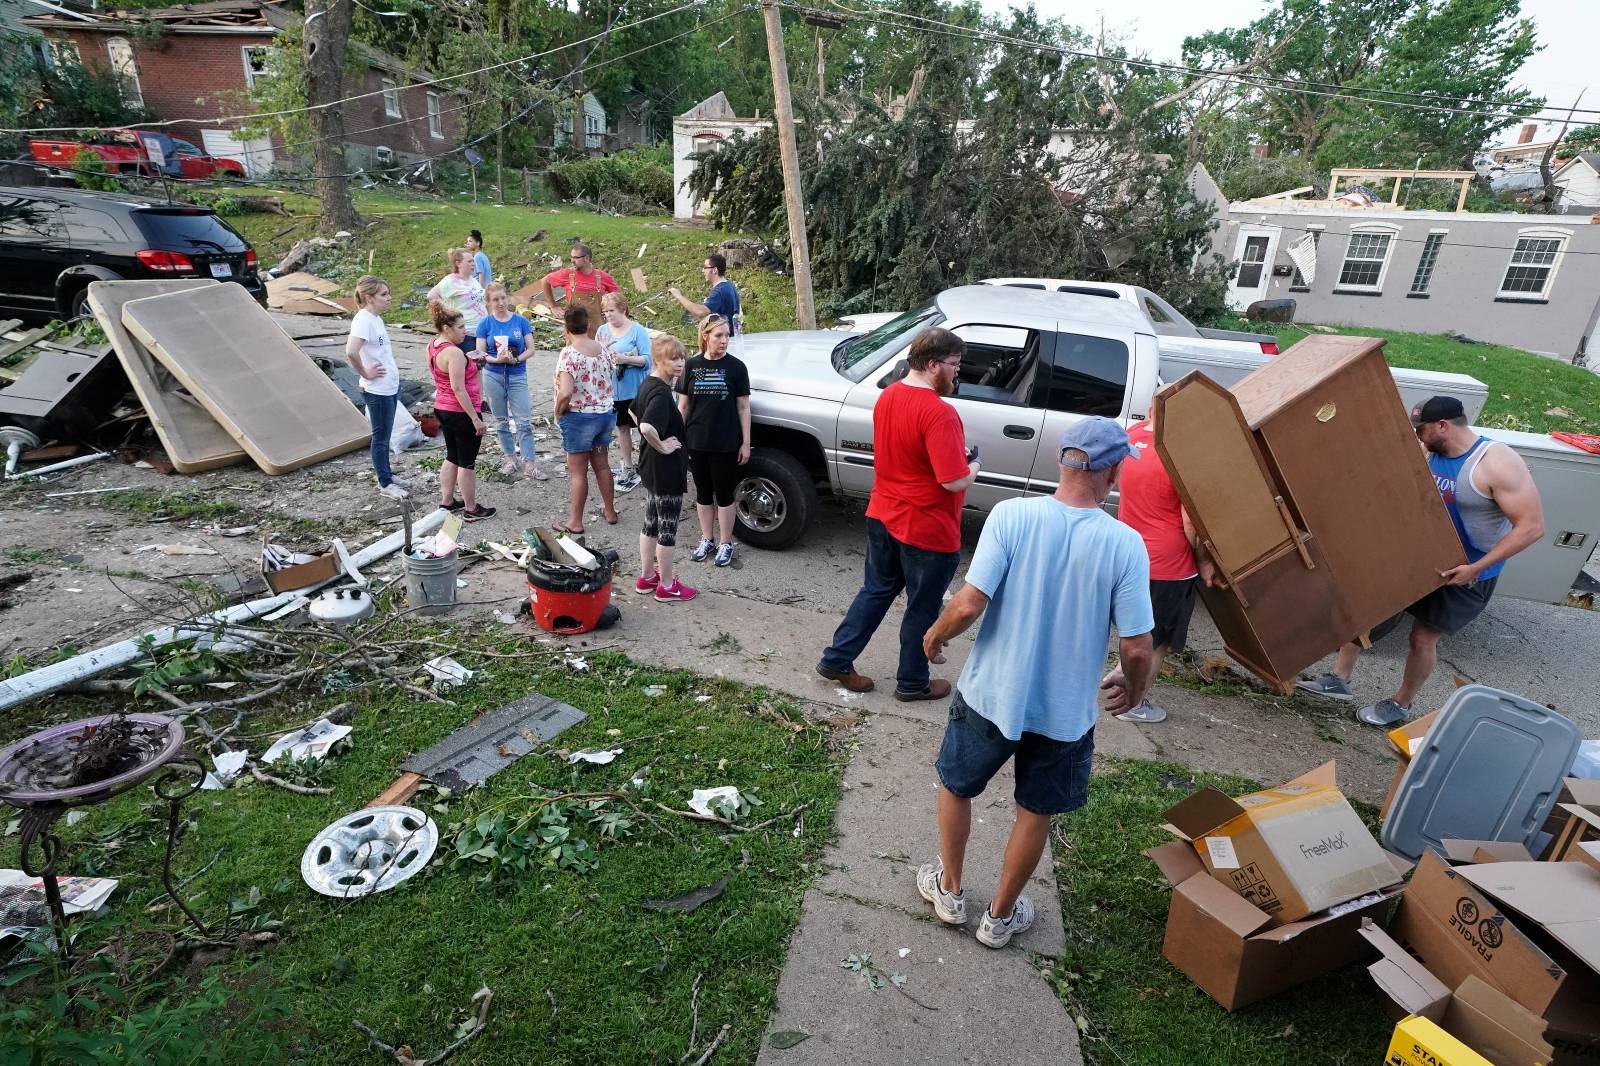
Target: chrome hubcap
column 760, row 504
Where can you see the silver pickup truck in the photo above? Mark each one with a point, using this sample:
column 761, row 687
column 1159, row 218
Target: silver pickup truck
column 1036, row 361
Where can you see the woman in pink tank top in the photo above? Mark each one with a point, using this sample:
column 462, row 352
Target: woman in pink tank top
column 457, row 401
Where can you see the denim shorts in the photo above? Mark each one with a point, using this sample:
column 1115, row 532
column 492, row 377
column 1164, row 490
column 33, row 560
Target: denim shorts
column 1052, row 775
column 582, row 431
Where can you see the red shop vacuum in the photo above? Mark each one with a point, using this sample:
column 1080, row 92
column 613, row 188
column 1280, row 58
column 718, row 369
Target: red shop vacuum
column 565, row 597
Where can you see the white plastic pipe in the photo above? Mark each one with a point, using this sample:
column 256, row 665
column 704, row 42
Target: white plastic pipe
column 56, row 676
column 65, row 464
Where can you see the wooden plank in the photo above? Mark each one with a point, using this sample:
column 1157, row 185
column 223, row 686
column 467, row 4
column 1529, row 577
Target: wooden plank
column 250, row 375
column 639, row 281
column 194, row 441
column 399, row 792
column 26, row 340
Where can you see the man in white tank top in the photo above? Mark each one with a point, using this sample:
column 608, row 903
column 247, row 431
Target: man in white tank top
column 1491, row 497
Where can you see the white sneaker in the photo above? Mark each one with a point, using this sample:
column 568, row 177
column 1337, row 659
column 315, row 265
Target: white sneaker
column 628, row 480
column 393, row 491
column 994, row 933
column 951, row 907
column 404, row 485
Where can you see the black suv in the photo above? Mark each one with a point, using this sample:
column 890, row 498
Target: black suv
column 54, row 242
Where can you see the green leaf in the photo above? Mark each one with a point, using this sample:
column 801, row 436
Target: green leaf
column 784, row 1039
column 898, row 980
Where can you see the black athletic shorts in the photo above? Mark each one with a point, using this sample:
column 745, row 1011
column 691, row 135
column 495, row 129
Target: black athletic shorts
column 1450, row 607
column 1172, row 603
column 624, row 410
column 716, row 477
column 461, row 441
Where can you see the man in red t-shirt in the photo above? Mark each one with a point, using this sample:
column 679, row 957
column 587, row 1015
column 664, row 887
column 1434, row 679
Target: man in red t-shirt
column 921, row 470
column 584, row 284
column 1149, row 503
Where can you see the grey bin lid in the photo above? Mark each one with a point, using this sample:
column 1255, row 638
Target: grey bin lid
column 1489, row 769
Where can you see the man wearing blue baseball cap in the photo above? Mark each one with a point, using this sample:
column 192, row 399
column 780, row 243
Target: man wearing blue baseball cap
column 1050, row 576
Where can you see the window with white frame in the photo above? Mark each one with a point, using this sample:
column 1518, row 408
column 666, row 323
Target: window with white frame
column 1430, row 258
column 255, row 63
column 391, row 98
column 120, row 51
column 1533, row 264
column 435, row 123
column 1366, row 260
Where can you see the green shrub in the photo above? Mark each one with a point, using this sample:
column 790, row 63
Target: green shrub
column 89, row 170
column 643, row 174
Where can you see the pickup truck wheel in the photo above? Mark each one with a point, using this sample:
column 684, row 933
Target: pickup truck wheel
column 774, row 501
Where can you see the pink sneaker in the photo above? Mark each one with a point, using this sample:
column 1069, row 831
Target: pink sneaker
column 648, row 583
column 677, row 592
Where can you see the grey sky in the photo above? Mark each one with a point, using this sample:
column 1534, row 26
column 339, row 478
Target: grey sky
column 1567, row 29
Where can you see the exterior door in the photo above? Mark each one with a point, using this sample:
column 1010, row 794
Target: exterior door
column 1253, row 257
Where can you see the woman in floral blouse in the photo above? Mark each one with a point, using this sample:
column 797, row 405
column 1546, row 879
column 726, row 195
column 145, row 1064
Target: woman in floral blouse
column 459, row 290
column 585, row 409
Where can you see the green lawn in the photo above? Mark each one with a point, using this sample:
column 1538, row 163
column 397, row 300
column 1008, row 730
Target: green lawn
column 580, row 972
column 1526, row 392
column 409, row 251
column 1137, row 1009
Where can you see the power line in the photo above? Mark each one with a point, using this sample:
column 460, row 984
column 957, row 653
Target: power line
column 1266, row 82
column 247, row 118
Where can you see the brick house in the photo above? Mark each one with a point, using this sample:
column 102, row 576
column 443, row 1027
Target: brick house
column 195, row 62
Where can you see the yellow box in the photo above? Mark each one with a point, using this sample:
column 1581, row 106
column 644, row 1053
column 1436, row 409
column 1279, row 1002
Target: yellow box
column 1419, row 1042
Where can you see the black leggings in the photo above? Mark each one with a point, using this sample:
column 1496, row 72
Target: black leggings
column 461, row 441
column 716, row 476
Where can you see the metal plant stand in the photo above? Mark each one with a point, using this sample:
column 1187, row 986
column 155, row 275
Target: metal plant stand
column 35, row 777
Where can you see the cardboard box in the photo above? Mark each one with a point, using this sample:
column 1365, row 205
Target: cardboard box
column 1230, row 948
column 1462, row 852
column 1292, row 851
column 1420, row 1042
column 1585, row 792
column 1405, row 741
column 1529, row 929
column 302, row 575
column 1488, row 1021
column 1587, row 853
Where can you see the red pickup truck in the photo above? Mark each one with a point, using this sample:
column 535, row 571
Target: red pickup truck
column 126, row 152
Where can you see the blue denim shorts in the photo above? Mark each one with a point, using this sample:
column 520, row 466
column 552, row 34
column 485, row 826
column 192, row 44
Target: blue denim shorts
column 584, row 432
column 1052, row 775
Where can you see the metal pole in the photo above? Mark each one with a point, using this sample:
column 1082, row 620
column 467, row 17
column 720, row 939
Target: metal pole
column 799, row 247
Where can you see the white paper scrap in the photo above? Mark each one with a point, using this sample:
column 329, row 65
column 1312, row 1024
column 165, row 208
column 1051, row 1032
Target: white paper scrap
column 447, row 673
column 230, row 764
column 312, row 742
column 700, row 801
column 599, row 758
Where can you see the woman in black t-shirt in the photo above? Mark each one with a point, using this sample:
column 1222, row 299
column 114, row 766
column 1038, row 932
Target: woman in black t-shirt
column 664, row 472
column 714, row 396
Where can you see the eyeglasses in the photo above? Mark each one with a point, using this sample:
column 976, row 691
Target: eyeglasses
column 953, row 364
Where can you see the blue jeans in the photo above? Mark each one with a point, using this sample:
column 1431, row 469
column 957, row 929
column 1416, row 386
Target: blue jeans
column 892, row 567
column 508, row 396
column 380, row 412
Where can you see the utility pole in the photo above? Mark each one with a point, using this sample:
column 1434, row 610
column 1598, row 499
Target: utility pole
column 805, row 311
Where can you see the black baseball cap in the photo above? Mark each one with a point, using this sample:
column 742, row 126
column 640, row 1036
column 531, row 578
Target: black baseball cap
column 1437, row 409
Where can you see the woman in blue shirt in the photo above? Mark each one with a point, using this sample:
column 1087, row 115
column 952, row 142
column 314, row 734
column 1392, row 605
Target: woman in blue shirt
column 630, row 344
column 480, row 261
column 505, row 341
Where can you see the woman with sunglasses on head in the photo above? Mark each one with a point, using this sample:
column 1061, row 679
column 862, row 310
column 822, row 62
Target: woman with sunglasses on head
column 457, row 399
column 714, row 399
column 504, row 343
column 629, row 344
column 459, row 290
column 585, row 384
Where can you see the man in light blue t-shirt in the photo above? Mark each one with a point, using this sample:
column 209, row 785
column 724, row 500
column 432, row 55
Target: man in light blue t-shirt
column 1049, row 577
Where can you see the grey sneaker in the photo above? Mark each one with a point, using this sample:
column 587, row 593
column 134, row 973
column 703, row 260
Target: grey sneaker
column 951, row 907
column 1385, row 713
column 393, row 491
column 994, row 933
column 405, row 486
column 724, row 554
column 1146, row 713
column 628, row 481
column 1330, row 685
column 702, row 549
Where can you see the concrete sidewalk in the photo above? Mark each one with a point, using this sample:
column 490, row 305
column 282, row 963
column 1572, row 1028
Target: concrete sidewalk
column 962, row 1002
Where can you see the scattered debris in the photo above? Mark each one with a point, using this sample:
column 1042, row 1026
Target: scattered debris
column 784, row 1039
column 447, row 673
column 177, row 549
column 655, row 691
column 475, row 752
column 689, row 901
column 722, row 796
column 403, row 1055
column 598, row 758
column 313, row 742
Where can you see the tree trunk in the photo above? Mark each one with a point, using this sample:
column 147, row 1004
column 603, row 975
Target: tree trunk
column 327, row 32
